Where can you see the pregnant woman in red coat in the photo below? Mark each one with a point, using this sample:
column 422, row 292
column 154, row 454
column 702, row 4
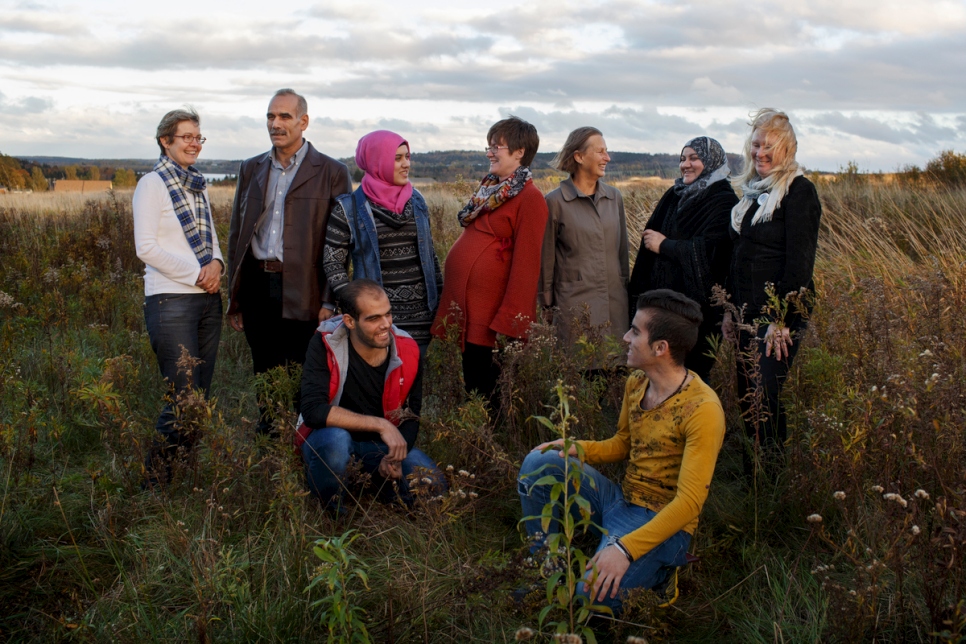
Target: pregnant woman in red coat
column 491, row 273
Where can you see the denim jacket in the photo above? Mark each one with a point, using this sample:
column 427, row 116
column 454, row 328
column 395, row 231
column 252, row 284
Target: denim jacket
column 365, row 242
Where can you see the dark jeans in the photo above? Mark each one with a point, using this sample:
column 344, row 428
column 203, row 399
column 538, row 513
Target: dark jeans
column 765, row 420
column 480, row 373
column 176, row 320
column 326, row 454
column 274, row 341
column 609, row 509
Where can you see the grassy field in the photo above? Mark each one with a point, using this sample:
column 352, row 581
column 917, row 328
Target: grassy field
column 877, row 452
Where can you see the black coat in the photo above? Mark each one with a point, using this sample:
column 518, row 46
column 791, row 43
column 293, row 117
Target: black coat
column 697, row 252
column 780, row 251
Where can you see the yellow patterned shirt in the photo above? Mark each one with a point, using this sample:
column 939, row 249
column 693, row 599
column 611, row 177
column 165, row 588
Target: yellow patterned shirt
column 672, row 451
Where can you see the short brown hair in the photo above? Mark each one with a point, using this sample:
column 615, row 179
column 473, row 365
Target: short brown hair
column 576, row 142
column 516, row 134
column 169, row 124
column 675, row 318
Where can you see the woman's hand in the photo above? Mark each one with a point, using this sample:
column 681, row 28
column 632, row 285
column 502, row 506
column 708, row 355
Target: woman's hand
column 210, row 277
column 652, row 241
column 778, row 339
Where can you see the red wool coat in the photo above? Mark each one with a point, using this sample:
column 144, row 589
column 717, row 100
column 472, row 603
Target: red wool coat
column 492, row 271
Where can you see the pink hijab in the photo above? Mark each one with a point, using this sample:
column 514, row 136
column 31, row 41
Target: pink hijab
column 376, row 156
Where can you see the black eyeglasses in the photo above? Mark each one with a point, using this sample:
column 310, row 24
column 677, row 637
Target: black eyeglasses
column 189, row 138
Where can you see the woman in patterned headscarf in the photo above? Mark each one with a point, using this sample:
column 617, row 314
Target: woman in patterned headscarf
column 686, row 245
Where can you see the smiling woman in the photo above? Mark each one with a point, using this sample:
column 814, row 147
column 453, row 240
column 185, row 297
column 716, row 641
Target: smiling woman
column 685, row 246
column 493, row 268
column 584, row 265
column 176, row 239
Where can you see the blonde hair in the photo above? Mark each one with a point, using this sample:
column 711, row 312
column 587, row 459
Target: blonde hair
column 780, row 137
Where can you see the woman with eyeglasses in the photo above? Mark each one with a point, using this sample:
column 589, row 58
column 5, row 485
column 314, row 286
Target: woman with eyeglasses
column 491, row 272
column 175, row 237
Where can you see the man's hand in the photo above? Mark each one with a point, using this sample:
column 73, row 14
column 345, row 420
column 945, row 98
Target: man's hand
column 235, row 321
column 778, row 339
column 611, row 566
column 558, row 443
column 389, row 469
column 325, row 314
column 652, row 241
column 210, row 277
column 390, row 435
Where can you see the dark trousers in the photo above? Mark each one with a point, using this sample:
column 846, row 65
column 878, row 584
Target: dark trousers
column 480, row 373
column 173, row 321
column 760, row 395
column 274, row 340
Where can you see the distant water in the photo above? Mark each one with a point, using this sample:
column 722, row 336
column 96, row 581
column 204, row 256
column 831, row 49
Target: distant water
column 214, row 177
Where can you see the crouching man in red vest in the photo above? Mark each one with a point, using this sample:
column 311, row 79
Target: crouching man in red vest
column 361, row 398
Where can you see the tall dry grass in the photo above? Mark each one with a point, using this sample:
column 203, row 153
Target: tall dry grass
column 225, row 553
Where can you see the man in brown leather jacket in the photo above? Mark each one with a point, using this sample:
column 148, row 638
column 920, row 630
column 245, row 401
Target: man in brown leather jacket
column 277, row 289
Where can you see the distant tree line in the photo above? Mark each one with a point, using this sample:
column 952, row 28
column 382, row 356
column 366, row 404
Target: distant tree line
column 24, row 174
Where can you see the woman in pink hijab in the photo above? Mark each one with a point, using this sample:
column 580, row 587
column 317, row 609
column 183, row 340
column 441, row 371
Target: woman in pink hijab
column 383, row 230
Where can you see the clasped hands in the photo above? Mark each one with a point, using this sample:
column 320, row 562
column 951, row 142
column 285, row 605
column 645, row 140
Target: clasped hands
column 210, row 277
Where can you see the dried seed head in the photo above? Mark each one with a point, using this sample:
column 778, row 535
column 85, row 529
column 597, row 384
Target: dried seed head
column 814, row 518
column 839, row 496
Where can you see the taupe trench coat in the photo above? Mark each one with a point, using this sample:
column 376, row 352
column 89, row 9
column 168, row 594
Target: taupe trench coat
column 584, row 266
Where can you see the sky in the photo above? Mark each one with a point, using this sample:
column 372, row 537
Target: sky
column 881, row 83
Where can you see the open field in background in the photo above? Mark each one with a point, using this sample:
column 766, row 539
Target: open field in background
column 877, row 450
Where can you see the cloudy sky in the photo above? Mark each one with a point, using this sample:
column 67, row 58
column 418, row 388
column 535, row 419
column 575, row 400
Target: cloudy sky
column 878, row 82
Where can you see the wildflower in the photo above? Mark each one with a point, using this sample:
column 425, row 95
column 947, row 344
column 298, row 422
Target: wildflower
column 878, row 488
column 631, row 639
column 925, row 353
column 892, row 496
column 449, row 468
column 568, row 638
column 852, row 592
column 225, row 491
column 922, row 494
column 916, row 530
column 839, row 496
column 426, row 480
column 7, row 301
column 814, row 518
column 523, row 633
column 473, row 495
column 874, row 389
column 463, row 473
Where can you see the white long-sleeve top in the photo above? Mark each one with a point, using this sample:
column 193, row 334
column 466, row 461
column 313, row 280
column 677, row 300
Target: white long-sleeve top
column 170, row 266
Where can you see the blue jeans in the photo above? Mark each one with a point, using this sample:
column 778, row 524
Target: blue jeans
column 610, row 510
column 326, row 454
column 192, row 321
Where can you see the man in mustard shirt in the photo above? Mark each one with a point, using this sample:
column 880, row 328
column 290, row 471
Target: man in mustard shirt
column 670, row 431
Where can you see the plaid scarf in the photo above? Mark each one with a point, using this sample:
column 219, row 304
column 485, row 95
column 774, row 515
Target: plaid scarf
column 197, row 224
column 493, row 193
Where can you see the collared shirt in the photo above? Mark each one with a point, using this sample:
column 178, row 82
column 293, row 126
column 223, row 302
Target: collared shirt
column 267, row 243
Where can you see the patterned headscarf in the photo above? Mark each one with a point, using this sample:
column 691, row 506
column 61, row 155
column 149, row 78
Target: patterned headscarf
column 716, row 168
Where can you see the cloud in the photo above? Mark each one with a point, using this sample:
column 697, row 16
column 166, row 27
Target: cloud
column 25, row 105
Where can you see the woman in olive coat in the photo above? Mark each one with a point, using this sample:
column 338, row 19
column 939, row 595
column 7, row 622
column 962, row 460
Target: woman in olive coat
column 584, row 267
